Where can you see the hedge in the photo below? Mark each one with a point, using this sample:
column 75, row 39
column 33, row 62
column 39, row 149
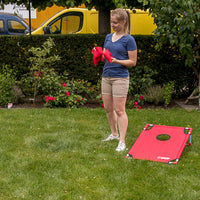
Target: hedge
column 76, row 54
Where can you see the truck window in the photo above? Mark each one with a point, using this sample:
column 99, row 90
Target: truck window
column 2, row 29
column 15, row 27
column 69, row 22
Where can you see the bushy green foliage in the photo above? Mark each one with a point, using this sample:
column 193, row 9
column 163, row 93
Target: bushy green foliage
column 141, row 77
column 58, row 91
column 41, row 59
column 168, row 90
column 177, row 22
column 136, row 101
column 26, row 83
column 9, row 92
column 161, row 66
column 154, row 94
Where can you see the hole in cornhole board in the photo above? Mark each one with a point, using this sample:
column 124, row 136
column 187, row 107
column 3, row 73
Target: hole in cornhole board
column 161, row 143
column 163, row 137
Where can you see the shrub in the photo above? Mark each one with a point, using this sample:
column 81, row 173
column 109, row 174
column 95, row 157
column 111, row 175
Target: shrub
column 58, row 91
column 141, row 77
column 167, row 92
column 136, row 102
column 26, row 83
column 154, row 94
column 41, row 59
column 9, row 92
column 76, row 59
column 100, row 100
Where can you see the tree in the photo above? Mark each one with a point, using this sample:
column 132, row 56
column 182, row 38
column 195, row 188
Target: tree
column 178, row 22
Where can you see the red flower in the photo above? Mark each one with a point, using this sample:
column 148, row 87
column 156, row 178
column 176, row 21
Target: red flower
column 49, row 98
column 100, row 98
column 38, row 73
column 135, row 103
column 102, row 105
column 78, row 100
column 82, row 99
column 67, row 93
column 141, row 98
column 64, row 84
column 139, row 107
column 91, row 88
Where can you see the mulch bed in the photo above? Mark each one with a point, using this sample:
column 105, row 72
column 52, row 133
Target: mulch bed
column 90, row 104
column 26, row 103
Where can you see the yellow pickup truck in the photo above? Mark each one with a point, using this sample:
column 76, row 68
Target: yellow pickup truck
column 82, row 20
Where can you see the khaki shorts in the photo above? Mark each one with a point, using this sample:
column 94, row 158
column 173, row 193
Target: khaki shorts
column 117, row 87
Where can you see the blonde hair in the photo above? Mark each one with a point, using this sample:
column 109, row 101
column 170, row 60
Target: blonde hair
column 121, row 16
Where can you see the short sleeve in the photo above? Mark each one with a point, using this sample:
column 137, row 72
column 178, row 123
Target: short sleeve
column 131, row 44
column 106, row 39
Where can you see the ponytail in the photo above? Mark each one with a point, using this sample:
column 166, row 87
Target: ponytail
column 128, row 23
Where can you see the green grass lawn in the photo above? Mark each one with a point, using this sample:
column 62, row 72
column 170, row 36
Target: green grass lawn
column 55, row 154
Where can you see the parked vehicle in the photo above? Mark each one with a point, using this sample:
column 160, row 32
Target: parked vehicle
column 13, row 25
column 82, row 20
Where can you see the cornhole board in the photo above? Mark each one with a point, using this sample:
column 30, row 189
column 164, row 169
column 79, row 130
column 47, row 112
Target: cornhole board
column 161, row 143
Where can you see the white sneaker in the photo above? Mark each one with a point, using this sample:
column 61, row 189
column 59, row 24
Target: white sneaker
column 121, row 146
column 111, row 137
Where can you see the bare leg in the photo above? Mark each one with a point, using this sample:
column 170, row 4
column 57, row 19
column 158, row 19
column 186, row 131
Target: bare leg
column 110, row 112
column 119, row 107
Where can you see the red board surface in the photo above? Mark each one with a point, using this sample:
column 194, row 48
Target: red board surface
column 150, row 145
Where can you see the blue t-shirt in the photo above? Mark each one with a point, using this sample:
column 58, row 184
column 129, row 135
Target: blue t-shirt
column 119, row 50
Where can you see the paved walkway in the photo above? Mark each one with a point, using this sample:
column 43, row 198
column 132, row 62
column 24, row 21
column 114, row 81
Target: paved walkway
column 186, row 106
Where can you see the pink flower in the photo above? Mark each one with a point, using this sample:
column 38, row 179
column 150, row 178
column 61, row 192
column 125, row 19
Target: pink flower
column 67, row 93
column 135, row 103
column 139, row 107
column 64, row 84
column 141, row 98
column 102, row 105
column 49, row 98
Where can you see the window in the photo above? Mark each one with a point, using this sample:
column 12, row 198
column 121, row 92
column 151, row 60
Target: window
column 15, row 27
column 2, row 28
column 69, row 22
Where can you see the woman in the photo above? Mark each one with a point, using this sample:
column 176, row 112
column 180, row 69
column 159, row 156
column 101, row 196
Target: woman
column 115, row 78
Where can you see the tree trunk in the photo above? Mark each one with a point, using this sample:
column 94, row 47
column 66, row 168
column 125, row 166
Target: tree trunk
column 199, row 93
column 104, row 21
column 29, row 10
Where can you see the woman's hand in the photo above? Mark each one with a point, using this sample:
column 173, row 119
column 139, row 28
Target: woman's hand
column 131, row 62
column 114, row 60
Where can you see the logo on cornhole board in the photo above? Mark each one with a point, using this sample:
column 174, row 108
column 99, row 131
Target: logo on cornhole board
column 161, row 143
